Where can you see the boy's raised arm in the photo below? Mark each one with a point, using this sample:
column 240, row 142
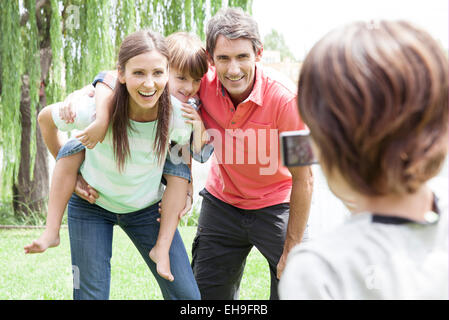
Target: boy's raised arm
column 104, row 84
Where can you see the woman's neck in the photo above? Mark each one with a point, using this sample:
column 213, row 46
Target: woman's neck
column 142, row 115
column 411, row 206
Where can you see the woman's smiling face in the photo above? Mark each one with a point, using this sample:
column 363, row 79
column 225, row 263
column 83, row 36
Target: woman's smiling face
column 145, row 76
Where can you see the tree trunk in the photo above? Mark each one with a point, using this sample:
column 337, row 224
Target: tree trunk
column 31, row 195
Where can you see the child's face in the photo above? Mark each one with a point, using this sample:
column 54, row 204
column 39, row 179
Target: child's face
column 182, row 85
column 145, row 76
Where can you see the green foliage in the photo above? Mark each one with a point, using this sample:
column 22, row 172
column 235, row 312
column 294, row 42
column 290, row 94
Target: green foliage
column 55, row 90
column 173, row 16
column 72, row 44
column 126, row 20
column 188, row 14
column 97, row 51
column 276, row 41
column 88, row 44
column 30, row 38
column 246, row 5
column 215, row 5
column 11, row 68
column 199, row 16
column 146, row 16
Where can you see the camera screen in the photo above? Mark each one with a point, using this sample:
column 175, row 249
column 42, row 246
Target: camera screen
column 296, row 149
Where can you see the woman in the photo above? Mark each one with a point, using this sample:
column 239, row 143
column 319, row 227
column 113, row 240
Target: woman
column 126, row 171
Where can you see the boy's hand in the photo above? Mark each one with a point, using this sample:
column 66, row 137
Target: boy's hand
column 93, row 134
column 190, row 113
column 66, row 110
column 85, row 191
column 197, row 125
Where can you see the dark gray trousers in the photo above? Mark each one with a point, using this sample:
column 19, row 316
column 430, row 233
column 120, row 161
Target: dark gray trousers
column 224, row 238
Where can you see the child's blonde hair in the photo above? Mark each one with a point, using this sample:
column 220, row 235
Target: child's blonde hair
column 187, row 54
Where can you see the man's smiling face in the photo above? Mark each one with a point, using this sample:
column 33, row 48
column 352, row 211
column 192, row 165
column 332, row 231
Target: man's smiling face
column 235, row 62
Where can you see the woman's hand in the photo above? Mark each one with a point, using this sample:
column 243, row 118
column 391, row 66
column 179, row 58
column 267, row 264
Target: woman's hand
column 85, row 191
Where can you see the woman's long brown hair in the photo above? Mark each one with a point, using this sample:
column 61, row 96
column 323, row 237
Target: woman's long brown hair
column 135, row 44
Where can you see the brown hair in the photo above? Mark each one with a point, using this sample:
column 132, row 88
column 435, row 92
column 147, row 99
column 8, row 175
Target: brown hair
column 187, row 54
column 375, row 97
column 233, row 23
column 135, row 44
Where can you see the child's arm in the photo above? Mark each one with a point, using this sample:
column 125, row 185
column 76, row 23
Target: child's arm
column 50, row 133
column 200, row 136
column 96, row 131
column 104, row 85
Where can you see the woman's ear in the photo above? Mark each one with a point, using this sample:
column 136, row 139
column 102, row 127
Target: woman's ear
column 121, row 75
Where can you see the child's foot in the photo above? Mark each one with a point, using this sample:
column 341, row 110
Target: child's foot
column 46, row 240
column 162, row 263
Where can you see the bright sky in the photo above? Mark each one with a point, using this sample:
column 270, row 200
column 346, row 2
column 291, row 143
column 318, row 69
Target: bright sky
column 303, row 22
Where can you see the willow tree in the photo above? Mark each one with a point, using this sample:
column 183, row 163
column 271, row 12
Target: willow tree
column 49, row 48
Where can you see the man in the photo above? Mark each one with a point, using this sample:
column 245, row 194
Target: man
column 245, row 204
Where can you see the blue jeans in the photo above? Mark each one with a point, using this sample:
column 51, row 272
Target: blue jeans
column 91, row 229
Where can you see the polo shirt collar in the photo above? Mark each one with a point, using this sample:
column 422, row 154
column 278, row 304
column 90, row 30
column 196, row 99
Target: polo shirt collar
column 256, row 94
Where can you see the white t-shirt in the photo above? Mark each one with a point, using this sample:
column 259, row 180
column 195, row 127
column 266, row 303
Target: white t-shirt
column 365, row 259
column 84, row 114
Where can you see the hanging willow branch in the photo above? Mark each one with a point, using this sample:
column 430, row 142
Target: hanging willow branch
column 215, row 5
column 246, row 5
column 173, row 16
column 97, row 49
column 145, row 10
column 126, row 20
column 188, row 15
column 55, row 90
column 11, row 71
column 33, row 70
column 199, row 16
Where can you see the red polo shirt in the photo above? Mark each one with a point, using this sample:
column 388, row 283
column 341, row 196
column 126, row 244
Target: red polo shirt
column 246, row 170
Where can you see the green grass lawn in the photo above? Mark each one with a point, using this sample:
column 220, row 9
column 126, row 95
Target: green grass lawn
column 49, row 275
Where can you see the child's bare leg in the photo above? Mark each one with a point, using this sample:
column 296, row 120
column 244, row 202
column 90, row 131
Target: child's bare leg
column 173, row 201
column 62, row 186
column 52, row 136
